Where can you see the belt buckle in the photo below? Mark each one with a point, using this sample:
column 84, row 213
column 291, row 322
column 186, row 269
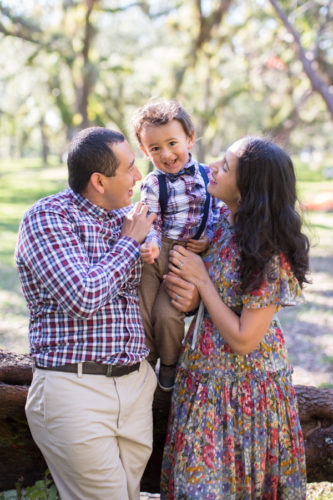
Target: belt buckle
column 109, row 371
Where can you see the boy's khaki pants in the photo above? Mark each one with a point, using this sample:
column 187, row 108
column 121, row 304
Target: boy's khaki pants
column 95, row 432
column 163, row 324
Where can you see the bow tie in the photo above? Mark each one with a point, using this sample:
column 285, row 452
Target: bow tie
column 183, row 171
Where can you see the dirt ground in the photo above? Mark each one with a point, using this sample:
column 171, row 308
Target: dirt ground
column 308, row 328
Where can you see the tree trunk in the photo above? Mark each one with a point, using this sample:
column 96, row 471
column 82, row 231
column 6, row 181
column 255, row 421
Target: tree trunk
column 44, row 142
column 21, row 461
column 87, row 70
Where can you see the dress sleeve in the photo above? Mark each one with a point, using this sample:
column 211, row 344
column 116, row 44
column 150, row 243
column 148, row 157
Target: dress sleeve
column 280, row 288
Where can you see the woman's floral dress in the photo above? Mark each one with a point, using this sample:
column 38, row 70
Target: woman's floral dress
column 234, row 431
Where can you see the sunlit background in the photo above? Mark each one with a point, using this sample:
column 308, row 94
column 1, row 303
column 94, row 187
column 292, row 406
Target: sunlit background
column 239, row 67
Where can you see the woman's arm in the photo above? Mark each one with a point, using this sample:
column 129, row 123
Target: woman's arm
column 243, row 333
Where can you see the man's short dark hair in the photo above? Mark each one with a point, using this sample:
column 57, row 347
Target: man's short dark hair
column 90, row 151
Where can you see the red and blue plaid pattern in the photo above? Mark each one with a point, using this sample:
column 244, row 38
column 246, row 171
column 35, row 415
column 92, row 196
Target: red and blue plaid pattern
column 79, row 277
column 185, row 208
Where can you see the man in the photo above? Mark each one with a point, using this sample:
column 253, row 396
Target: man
column 89, row 404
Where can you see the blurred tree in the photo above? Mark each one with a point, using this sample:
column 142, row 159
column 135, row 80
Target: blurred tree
column 231, row 63
column 66, row 41
column 317, row 22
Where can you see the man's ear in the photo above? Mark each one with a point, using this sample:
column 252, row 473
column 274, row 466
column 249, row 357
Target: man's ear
column 97, row 182
column 191, row 140
column 145, row 152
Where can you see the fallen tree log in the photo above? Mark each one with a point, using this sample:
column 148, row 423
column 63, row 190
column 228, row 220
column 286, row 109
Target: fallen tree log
column 316, row 416
column 21, row 461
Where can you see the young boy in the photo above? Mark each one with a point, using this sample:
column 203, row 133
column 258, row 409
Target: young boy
column 186, row 214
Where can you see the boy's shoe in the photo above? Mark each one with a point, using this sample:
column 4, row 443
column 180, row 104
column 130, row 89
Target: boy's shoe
column 166, row 377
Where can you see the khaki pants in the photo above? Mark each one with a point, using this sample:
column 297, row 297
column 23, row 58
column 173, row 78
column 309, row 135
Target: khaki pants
column 163, row 324
column 95, row 432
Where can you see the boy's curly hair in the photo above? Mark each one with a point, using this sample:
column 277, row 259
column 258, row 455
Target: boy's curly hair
column 160, row 112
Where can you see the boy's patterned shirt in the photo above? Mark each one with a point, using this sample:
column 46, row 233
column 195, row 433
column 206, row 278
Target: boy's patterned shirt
column 185, row 208
column 79, row 277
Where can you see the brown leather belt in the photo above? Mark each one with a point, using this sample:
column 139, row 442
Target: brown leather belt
column 92, row 368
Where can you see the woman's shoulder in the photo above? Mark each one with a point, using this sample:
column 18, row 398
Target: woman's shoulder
column 279, row 286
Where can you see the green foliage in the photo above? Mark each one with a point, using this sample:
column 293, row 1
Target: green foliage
column 43, row 489
column 236, row 72
column 329, row 359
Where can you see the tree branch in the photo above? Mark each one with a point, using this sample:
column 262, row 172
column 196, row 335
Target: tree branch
column 25, row 23
column 18, row 34
column 317, row 83
column 144, row 6
column 206, row 25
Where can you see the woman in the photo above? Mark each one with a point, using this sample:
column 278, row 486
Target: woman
column 234, row 431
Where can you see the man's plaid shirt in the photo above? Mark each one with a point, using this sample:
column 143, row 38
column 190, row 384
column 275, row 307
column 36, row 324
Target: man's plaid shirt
column 79, row 278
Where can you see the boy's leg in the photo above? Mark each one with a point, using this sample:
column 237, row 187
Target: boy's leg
column 169, row 326
column 167, row 322
column 148, row 290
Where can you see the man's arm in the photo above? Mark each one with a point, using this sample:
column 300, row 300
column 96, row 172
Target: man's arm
column 55, row 255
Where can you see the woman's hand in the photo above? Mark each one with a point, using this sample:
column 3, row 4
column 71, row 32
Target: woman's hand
column 184, row 295
column 187, row 265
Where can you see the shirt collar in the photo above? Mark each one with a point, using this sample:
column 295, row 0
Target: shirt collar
column 89, row 207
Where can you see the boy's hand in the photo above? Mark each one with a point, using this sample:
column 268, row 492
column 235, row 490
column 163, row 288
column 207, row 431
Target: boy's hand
column 149, row 252
column 137, row 223
column 198, row 246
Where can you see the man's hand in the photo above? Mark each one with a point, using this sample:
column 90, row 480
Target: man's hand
column 137, row 223
column 149, row 252
column 198, row 246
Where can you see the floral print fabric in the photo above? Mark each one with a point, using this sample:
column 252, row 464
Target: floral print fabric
column 234, row 432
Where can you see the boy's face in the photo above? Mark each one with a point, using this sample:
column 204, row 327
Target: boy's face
column 167, row 146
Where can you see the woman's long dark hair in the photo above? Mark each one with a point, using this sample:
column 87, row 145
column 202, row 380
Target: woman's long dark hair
column 266, row 222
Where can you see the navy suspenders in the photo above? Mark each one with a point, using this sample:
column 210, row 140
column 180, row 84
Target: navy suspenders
column 163, row 200
column 206, row 206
